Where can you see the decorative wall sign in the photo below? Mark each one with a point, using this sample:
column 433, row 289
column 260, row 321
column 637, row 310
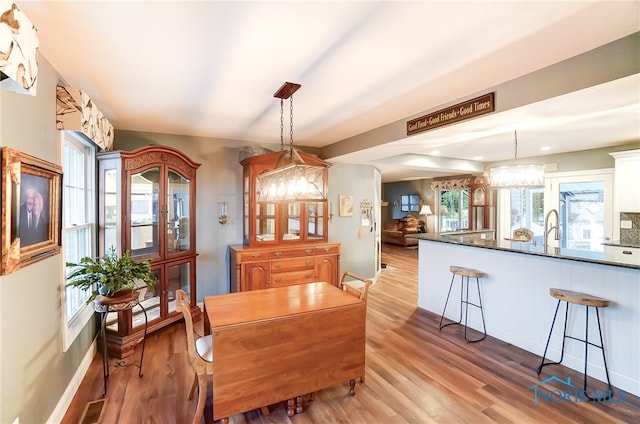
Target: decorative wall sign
column 31, row 215
column 465, row 110
column 18, row 50
column 76, row 111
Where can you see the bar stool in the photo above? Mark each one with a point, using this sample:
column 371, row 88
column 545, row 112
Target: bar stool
column 577, row 299
column 464, row 274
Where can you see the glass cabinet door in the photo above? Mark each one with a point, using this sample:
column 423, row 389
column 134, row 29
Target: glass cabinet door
column 150, row 301
column 292, row 221
column 178, row 277
column 265, row 221
column 144, row 236
column 178, row 238
column 315, row 220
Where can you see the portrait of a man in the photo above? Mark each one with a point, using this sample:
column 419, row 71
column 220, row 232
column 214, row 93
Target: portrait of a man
column 33, row 222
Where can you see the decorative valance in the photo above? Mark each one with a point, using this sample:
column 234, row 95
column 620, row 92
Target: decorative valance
column 450, row 184
column 18, row 50
column 76, row 112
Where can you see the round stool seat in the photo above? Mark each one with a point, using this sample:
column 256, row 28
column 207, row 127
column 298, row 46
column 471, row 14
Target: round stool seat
column 467, row 272
column 579, row 298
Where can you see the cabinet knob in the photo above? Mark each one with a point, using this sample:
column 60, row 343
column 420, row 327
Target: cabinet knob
column 256, row 255
column 327, row 250
column 308, row 263
column 278, row 279
column 627, row 252
column 308, row 276
column 308, row 251
column 277, row 265
column 277, row 253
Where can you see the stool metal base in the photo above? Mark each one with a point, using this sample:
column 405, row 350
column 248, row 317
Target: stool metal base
column 464, row 300
column 586, row 342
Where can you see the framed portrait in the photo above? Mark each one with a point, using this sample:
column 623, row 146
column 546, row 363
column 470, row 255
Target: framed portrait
column 31, row 210
column 346, row 204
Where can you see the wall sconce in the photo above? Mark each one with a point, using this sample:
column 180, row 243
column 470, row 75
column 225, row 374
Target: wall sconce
column 222, row 213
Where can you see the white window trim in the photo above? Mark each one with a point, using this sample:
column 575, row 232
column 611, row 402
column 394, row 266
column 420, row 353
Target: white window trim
column 70, row 329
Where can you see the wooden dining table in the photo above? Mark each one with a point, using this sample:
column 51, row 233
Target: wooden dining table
column 279, row 344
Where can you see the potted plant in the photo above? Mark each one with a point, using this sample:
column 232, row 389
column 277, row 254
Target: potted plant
column 111, row 274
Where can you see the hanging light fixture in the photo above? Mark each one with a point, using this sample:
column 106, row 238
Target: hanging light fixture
column 298, row 177
column 517, row 176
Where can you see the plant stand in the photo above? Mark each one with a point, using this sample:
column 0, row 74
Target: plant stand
column 118, row 303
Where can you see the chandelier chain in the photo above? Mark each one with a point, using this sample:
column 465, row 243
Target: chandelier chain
column 281, row 124
column 291, row 116
column 515, row 137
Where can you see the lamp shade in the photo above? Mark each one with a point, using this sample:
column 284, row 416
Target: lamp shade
column 425, row 210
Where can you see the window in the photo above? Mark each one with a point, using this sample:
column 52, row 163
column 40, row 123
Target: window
column 454, row 210
column 582, row 199
column 79, row 226
column 409, row 203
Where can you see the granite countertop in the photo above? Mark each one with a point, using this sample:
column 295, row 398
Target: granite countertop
column 619, row 243
column 525, row 248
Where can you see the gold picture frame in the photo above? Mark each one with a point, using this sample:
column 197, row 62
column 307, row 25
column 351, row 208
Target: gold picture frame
column 31, row 214
column 346, row 204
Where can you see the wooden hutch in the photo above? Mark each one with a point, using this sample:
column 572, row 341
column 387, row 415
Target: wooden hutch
column 147, row 207
column 283, row 243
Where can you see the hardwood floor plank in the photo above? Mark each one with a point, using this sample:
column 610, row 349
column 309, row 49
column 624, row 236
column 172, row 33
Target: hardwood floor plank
column 414, row 373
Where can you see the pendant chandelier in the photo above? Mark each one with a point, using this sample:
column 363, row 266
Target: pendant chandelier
column 297, row 176
column 517, row 176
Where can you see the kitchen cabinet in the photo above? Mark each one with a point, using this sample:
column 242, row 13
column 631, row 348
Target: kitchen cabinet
column 147, row 207
column 265, row 267
column 626, row 196
column 622, row 254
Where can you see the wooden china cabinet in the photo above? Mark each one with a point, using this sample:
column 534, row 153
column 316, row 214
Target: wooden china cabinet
column 284, row 243
column 482, row 213
column 147, row 207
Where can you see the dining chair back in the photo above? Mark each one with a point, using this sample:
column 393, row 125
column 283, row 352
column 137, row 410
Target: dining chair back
column 354, row 284
column 200, row 354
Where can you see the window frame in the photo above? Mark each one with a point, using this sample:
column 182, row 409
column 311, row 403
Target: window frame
column 462, row 194
column 73, row 326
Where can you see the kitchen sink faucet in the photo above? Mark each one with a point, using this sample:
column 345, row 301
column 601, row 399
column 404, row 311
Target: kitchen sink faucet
column 547, row 229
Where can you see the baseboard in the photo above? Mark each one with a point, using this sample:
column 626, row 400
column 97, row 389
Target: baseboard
column 63, row 404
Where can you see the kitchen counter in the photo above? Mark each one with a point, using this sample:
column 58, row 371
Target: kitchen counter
column 528, row 248
column 518, row 308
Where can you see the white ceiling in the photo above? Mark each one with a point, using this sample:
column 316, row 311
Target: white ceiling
column 210, row 68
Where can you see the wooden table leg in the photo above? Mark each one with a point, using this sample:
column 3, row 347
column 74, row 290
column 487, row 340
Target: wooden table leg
column 352, row 387
column 291, row 407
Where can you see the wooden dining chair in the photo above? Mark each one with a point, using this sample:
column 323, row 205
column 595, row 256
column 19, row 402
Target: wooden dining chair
column 200, row 353
column 355, row 285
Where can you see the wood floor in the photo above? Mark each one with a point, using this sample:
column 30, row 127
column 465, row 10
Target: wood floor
column 414, row 374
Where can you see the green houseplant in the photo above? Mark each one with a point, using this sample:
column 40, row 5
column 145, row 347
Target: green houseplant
column 111, row 274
